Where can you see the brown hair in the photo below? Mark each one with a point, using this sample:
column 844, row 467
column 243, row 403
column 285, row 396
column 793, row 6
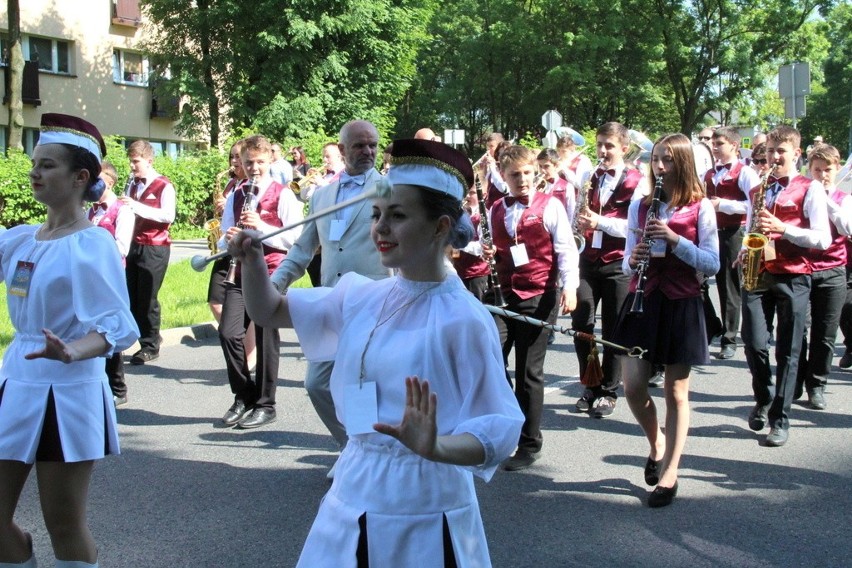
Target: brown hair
column 614, row 129
column 108, row 170
column 825, row 152
column 685, row 187
column 515, row 155
column 140, row 148
column 550, row 155
column 256, row 143
column 783, row 134
column 732, row 135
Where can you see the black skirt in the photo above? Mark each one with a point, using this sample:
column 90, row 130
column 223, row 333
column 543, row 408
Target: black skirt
column 672, row 331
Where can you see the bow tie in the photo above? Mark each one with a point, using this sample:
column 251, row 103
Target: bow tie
column 522, row 199
column 139, row 181
column 723, row 167
column 601, row 173
column 782, row 181
column 357, row 180
column 96, row 206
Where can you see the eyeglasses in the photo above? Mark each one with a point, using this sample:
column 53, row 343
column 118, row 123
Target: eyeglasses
column 760, row 161
column 704, row 138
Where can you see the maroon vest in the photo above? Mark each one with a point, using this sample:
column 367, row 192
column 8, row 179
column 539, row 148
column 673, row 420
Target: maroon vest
column 728, row 188
column 612, row 248
column 790, row 258
column 559, row 190
column 107, row 221
column 835, row 255
column 268, row 211
column 147, row 232
column 674, row 278
column 470, row 266
column 493, row 195
column 541, row 272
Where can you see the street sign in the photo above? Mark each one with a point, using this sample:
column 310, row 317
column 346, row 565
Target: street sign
column 551, row 120
column 549, row 140
column 454, row 137
column 794, row 107
column 794, row 80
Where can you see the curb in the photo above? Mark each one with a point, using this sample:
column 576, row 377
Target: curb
column 183, row 335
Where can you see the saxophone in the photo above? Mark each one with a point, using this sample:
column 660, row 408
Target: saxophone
column 582, row 205
column 214, row 226
column 753, row 241
column 638, row 306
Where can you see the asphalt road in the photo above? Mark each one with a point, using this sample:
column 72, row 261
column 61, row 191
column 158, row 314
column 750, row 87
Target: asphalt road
column 186, row 492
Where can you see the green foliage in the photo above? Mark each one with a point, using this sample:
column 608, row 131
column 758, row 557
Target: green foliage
column 193, row 175
column 17, row 206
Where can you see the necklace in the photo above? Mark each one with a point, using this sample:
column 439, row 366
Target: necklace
column 383, row 320
column 48, row 235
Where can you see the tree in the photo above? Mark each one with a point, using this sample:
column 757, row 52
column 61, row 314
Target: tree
column 16, row 74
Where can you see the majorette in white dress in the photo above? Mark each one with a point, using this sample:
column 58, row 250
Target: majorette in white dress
column 440, row 333
column 77, row 285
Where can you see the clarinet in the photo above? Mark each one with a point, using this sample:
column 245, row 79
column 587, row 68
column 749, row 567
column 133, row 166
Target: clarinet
column 638, row 306
column 495, row 295
column 249, row 204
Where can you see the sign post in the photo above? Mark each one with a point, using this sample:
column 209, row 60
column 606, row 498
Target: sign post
column 551, row 121
column 794, row 83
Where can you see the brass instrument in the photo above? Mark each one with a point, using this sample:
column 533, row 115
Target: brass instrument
column 214, row 226
column 540, row 183
column 479, row 161
column 638, row 306
column 754, row 241
column 495, row 293
column 310, row 178
column 249, row 204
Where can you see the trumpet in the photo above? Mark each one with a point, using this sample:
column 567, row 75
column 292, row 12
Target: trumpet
column 754, row 241
column 310, row 178
column 638, row 306
column 479, row 161
column 382, row 190
column 249, row 204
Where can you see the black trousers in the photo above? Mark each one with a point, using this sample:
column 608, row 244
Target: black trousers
column 828, row 293
column 846, row 313
column 115, row 375
column 478, row 286
column 146, row 268
column 791, row 293
column 607, row 285
column 259, row 392
column 530, row 343
column 728, row 283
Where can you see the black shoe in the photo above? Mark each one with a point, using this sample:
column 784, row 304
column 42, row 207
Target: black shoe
column 119, row 400
column 257, row 417
column 604, row 406
column 585, row 402
column 657, row 380
column 662, row 496
column 846, row 360
column 652, row 471
column 143, row 356
column 235, row 413
column 757, row 417
column 799, row 390
column 727, row 352
column 816, row 398
column 521, row 460
column 777, row 437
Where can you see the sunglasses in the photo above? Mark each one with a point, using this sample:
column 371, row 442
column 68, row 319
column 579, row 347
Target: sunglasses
column 760, row 161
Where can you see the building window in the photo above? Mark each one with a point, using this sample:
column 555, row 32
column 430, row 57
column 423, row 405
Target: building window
column 126, row 13
column 129, row 68
column 52, row 55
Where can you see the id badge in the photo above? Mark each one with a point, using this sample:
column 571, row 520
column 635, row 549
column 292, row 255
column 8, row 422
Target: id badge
column 20, row 283
column 597, row 239
column 519, row 254
column 335, row 233
column 361, row 408
column 658, row 248
column 769, row 251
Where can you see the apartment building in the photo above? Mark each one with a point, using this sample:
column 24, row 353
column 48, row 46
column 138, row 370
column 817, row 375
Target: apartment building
column 84, row 57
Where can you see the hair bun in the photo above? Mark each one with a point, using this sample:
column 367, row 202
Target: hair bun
column 94, row 192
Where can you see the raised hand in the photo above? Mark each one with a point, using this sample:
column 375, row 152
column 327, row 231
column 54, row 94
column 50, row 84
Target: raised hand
column 418, row 430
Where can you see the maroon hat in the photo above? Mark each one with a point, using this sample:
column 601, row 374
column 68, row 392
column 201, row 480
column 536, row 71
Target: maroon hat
column 430, row 164
column 67, row 129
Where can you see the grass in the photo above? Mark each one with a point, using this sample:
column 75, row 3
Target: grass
column 183, row 300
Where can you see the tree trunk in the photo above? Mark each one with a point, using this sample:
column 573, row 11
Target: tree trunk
column 16, row 77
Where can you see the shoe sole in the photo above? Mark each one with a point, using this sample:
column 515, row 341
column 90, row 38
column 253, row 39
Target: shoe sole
column 253, row 426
